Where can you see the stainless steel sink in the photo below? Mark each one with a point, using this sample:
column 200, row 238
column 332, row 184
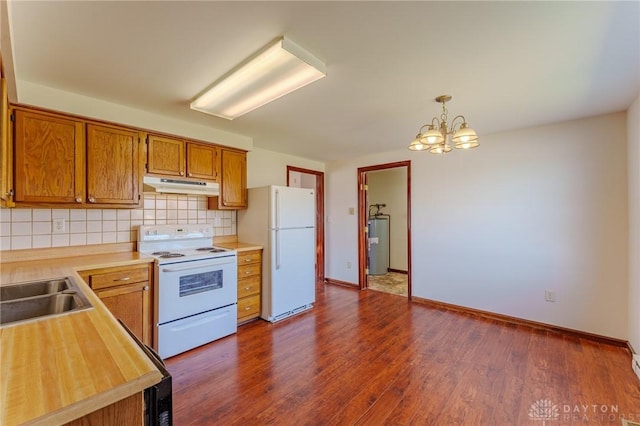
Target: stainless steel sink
column 35, row 299
column 38, row 288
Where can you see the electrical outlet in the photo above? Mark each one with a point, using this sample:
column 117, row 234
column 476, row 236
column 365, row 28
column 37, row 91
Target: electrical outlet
column 352, row 211
column 549, row 295
column 59, row 226
column 348, row 265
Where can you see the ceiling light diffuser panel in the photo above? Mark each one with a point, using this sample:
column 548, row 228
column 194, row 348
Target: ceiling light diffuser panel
column 278, row 69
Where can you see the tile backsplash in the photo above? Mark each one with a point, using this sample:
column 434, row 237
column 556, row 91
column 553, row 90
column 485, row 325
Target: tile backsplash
column 24, row 228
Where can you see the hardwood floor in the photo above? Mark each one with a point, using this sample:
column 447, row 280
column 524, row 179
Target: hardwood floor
column 370, row 358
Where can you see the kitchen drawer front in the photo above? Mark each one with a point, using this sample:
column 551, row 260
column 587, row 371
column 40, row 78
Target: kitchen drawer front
column 249, row 257
column 116, row 278
column 246, row 271
column 249, row 307
column 249, row 286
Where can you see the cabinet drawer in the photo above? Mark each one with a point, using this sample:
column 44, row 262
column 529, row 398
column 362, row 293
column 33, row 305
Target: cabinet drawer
column 249, row 286
column 249, row 306
column 116, row 278
column 246, row 271
column 249, row 257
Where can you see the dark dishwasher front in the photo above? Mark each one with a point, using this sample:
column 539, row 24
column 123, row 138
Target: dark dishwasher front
column 158, row 404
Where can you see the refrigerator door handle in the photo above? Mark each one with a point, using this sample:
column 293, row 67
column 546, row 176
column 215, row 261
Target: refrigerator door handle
column 277, row 248
column 277, row 229
column 277, row 210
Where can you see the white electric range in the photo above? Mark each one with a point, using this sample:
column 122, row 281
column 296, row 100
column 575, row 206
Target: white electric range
column 196, row 286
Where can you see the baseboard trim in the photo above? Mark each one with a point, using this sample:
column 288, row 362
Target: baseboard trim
column 520, row 321
column 341, row 283
column 398, row 271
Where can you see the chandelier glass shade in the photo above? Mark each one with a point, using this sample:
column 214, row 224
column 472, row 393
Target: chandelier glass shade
column 438, row 137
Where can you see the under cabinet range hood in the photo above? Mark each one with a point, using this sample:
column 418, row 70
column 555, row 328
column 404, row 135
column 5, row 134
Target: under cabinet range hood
column 177, row 186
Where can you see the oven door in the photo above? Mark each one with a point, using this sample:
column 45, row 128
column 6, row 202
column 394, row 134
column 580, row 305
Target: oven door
column 191, row 287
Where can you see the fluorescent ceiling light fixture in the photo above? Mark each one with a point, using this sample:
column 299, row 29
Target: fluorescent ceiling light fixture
column 278, row 69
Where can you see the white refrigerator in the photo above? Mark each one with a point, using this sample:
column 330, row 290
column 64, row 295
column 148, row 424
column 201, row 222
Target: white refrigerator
column 282, row 219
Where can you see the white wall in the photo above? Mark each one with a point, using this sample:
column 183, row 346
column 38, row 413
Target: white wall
column 389, row 186
column 633, row 136
column 270, row 168
column 492, row 228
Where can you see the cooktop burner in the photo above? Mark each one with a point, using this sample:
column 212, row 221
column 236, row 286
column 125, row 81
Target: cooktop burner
column 166, row 254
column 211, row 249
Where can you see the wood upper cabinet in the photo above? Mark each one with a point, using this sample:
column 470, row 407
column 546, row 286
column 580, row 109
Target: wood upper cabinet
column 49, row 158
column 6, row 151
column 179, row 158
column 61, row 160
column 165, row 156
column 233, row 181
column 202, row 161
column 114, row 173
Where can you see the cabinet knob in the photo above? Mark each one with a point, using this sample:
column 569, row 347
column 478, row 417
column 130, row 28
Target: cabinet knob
column 247, row 288
column 145, row 288
column 78, row 200
column 181, row 173
column 247, row 260
column 190, row 174
column 247, row 308
column 91, row 199
column 247, row 272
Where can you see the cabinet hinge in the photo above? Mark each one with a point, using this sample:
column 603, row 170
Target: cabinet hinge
column 364, row 187
column 366, row 229
column 366, row 271
column 12, row 118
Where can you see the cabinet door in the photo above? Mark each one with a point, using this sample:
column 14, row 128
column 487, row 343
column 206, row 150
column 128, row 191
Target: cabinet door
column 113, row 166
column 165, row 156
column 49, row 158
column 131, row 304
column 233, row 186
column 202, row 161
column 6, row 164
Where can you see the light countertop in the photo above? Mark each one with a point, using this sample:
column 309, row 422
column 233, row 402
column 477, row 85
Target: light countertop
column 56, row 369
column 239, row 246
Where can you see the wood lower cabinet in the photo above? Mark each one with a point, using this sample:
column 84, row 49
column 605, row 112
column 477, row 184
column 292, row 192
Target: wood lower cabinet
column 180, row 158
column 249, row 284
column 128, row 293
column 129, row 411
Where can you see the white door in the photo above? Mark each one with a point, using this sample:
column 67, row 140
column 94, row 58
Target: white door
column 292, row 207
column 292, row 269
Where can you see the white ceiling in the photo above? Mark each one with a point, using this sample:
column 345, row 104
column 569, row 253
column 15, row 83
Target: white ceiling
column 508, row 65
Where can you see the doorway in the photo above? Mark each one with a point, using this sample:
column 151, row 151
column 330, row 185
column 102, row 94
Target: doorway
column 313, row 179
column 384, row 225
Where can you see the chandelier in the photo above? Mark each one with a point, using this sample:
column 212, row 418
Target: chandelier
column 438, row 136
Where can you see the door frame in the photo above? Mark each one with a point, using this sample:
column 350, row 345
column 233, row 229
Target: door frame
column 363, row 216
column 319, row 216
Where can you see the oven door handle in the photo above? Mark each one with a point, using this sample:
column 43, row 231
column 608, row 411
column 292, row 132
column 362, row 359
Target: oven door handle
column 197, row 265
